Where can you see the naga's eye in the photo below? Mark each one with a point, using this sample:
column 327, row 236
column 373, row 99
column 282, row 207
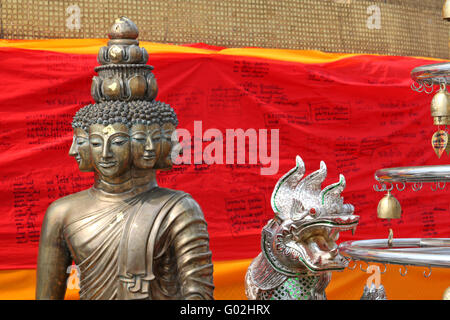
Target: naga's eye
column 312, row 211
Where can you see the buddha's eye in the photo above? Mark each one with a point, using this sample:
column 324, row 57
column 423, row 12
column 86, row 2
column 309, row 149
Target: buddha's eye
column 81, row 141
column 96, row 143
column 119, row 141
column 168, row 134
column 141, row 138
column 156, row 137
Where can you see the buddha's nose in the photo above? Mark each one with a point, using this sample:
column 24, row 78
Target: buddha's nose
column 106, row 152
column 73, row 148
column 149, row 145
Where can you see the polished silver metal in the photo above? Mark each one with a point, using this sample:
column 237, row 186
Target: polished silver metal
column 298, row 248
column 402, row 188
column 403, row 273
column 383, row 187
column 417, row 186
column 432, row 74
column 427, row 275
column 385, row 269
column 424, row 252
column 414, row 174
column 373, row 293
column 438, row 186
column 361, row 268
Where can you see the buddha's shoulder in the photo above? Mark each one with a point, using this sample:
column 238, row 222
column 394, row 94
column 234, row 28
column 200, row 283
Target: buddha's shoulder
column 181, row 201
column 69, row 202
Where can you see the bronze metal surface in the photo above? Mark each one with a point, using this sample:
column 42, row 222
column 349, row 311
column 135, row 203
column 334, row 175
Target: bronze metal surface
column 130, row 238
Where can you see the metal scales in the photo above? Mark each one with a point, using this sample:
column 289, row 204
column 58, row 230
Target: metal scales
column 421, row 252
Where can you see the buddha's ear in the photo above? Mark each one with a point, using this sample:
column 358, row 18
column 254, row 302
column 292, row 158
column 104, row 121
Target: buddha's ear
column 283, row 194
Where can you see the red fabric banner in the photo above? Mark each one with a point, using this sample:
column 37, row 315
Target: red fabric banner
column 357, row 114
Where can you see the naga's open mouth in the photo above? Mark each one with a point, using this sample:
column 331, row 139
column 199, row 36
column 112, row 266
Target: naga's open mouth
column 314, row 243
column 333, row 223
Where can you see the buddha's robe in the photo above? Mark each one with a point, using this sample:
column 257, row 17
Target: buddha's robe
column 152, row 246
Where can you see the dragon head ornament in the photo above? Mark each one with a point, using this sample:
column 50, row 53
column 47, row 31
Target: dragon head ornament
column 307, row 222
column 299, row 243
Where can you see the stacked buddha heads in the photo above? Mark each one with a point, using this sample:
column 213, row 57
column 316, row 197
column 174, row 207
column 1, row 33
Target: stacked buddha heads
column 125, row 115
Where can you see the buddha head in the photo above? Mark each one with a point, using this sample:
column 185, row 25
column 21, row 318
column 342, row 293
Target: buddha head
column 119, row 135
column 110, row 149
column 145, row 135
column 168, row 123
column 108, row 129
column 80, row 145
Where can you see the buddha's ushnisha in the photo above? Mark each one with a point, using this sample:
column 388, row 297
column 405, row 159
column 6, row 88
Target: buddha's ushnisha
column 130, row 238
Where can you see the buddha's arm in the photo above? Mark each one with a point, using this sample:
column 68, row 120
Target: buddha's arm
column 190, row 242
column 54, row 257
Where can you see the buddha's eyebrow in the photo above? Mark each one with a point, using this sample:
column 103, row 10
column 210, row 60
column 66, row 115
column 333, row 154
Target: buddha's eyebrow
column 119, row 135
column 137, row 132
column 96, row 135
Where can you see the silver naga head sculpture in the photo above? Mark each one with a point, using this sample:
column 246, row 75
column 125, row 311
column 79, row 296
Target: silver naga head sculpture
column 301, row 239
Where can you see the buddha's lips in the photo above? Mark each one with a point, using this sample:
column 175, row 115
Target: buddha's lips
column 149, row 155
column 107, row 164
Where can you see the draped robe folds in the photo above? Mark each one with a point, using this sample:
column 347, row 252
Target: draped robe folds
column 151, row 246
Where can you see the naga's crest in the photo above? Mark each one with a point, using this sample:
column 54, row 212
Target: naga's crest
column 301, row 238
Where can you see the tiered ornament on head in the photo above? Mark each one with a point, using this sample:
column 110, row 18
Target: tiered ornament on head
column 125, row 88
column 124, row 73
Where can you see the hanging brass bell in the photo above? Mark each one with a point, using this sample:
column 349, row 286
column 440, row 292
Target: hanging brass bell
column 446, row 10
column 389, row 207
column 440, row 107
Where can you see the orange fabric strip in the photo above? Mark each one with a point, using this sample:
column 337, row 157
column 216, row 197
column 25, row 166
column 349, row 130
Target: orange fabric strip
column 91, row 46
column 229, row 282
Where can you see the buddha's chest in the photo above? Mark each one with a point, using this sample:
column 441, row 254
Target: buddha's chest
column 95, row 237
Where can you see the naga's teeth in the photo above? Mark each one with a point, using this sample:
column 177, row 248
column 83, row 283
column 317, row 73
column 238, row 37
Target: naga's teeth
column 354, row 230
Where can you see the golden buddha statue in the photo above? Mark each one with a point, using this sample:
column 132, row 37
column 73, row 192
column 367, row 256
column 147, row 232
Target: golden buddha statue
column 130, row 238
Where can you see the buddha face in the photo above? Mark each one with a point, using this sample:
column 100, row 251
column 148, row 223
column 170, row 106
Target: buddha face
column 166, row 145
column 80, row 150
column 110, row 149
column 145, row 145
